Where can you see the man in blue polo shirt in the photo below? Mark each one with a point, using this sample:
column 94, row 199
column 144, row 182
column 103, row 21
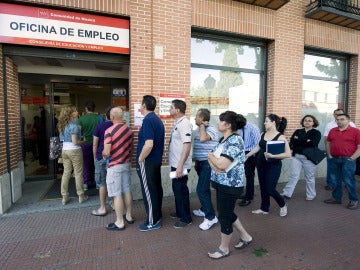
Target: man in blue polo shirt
column 148, row 163
column 205, row 139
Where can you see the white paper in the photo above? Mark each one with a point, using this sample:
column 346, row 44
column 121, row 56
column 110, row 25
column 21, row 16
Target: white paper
column 173, row 174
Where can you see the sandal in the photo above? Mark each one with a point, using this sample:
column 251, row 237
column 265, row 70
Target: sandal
column 217, row 253
column 98, row 214
column 132, row 221
column 242, row 244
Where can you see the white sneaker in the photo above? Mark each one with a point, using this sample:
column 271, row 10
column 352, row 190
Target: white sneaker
column 207, row 224
column 198, row 213
column 259, row 211
column 283, row 211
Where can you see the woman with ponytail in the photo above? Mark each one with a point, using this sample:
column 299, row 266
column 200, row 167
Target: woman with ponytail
column 269, row 165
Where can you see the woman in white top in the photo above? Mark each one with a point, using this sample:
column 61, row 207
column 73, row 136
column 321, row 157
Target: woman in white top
column 70, row 135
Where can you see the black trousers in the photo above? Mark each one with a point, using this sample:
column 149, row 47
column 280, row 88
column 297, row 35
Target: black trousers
column 250, row 177
column 149, row 173
column 225, row 201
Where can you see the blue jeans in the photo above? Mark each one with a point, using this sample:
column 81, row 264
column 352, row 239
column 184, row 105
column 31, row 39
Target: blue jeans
column 182, row 200
column 203, row 170
column 343, row 169
column 330, row 180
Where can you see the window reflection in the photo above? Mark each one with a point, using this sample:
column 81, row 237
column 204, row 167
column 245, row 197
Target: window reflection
column 217, row 53
column 324, row 67
column 227, row 76
column 235, row 91
column 324, row 80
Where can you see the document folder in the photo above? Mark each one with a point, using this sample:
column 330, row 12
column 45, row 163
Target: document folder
column 274, row 148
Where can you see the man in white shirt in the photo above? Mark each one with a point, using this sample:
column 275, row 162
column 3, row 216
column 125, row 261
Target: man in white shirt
column 180, row 162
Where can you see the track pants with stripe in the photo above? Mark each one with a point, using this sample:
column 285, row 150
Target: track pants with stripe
column 149, row 173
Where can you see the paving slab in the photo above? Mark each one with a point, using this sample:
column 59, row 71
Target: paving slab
column 314, row 235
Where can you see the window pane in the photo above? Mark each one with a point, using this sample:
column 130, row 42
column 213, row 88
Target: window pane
column 210, row 52
column 320, row 95
column 220, row 91
column 324, row 67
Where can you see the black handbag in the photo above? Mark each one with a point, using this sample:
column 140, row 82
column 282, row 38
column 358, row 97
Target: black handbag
column 314, row 154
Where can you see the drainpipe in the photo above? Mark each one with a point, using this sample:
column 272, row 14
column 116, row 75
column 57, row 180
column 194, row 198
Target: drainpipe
column 7, row 140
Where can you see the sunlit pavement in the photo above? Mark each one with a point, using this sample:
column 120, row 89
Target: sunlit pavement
column 314, row 235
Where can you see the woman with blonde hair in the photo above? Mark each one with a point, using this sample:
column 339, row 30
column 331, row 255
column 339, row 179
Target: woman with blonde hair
column 70, row 135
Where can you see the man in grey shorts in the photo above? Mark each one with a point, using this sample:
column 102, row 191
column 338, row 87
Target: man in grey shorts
column 117, row 147
column 99, row 163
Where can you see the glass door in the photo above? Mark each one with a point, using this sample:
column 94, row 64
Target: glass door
column 39, row 125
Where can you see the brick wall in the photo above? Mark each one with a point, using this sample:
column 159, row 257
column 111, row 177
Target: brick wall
column 168, row 24
column 13, row 108
column 354, row 88
column 14, row 125
column 171, row 74
column 3, row 167
column 235, row 17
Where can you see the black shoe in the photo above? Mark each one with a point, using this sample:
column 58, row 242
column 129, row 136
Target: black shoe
column 329, row 187
column 332, row 201
column 173, row 215
column 244, row 202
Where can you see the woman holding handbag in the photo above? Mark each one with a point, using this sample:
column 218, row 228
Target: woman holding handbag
column 303, row 139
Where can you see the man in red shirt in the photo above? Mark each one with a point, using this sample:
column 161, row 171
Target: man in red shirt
column 343, row 148
column 117, row 149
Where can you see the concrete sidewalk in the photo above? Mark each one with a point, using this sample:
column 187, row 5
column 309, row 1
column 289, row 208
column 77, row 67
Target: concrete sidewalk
column 314, row 235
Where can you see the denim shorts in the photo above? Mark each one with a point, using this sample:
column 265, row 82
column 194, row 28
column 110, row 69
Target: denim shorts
column 118, row 179
column 100, row 172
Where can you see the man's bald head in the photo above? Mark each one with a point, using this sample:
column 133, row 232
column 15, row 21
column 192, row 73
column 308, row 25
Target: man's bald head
column 116, row 114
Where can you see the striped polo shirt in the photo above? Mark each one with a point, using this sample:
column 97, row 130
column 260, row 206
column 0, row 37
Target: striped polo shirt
column 201, row 150
column 121, row 138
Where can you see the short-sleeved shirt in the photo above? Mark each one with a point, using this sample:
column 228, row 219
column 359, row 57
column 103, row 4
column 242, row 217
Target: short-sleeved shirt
column 120, row 137
column 99, row 132
column 88, row 122
column 232, row 148
column 152, row 129
column 332, row 125
column 201, row 150
column 250, row 135
column 70, row 129
column 343, row 143
column 181, row 133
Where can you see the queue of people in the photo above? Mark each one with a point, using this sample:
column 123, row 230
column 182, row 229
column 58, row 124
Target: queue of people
column 227, row 164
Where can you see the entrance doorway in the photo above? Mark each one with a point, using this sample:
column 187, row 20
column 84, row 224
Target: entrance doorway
column 41, row 102
column 50, row 79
